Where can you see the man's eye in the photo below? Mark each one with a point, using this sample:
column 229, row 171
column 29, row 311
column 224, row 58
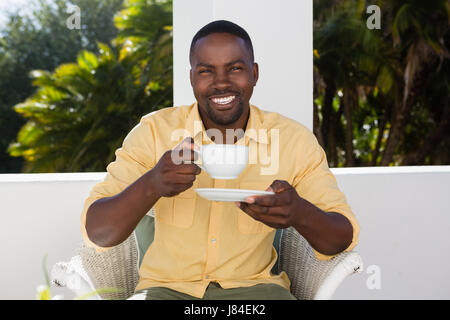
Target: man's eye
column 236, row 68
column 204, row 71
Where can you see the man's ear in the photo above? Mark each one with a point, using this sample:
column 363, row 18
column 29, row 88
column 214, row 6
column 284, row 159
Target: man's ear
column 255, row 73
column 190, row 77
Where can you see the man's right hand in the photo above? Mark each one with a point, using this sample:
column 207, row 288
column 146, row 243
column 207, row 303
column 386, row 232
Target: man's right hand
column 172, row 175
column 111, row 220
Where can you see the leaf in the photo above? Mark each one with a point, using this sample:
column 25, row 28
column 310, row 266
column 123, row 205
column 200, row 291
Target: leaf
column 401, row 22
column 384, row 80
column 44, row 268
column 29, row 133
column 99, row 291
column 412, row 62
column 87, row 61
column 30, row 108
column 106, row 53
column 66, row 70
column 16, row 149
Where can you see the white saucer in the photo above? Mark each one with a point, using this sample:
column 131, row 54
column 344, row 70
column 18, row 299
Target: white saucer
column 220, row 194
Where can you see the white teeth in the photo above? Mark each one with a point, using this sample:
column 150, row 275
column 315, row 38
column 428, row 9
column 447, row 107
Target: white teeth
column 225, row 100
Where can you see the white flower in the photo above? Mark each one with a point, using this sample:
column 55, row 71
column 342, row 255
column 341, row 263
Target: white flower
column 43, row 292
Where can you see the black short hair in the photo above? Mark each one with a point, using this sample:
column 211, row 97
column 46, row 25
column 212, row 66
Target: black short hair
column 222, row 26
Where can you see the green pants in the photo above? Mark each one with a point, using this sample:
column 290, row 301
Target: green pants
column 216, row 292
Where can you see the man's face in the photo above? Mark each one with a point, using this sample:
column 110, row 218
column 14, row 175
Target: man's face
column 222, row 76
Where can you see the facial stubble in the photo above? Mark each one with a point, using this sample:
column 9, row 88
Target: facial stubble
column 218, row 118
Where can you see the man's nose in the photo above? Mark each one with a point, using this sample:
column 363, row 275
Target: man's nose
column 222, row 81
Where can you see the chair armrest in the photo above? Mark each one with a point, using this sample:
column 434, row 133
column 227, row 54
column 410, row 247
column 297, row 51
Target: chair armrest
column 89, row 271
column 116, row 268
column 341, row 267
column 312, row 278
column 72, row 275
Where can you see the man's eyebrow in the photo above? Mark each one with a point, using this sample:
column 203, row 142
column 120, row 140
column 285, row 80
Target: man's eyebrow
column 235, row 61
column 206, row 65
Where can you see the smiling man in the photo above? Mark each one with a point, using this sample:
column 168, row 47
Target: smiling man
column 223, row 75
column 218, row 250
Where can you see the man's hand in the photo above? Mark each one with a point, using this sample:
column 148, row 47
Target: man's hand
column 279, row 211
column 175, row 172
column 327, row 232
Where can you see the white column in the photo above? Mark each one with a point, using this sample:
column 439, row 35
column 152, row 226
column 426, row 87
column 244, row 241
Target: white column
column 281, row 32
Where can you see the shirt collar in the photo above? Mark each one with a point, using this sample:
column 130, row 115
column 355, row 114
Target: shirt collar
column 253, row 132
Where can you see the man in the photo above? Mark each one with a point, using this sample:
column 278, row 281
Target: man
column 208, row 249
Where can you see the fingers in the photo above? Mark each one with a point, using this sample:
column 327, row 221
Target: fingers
column 279, row 186
column 176, row 188
column 184, row 179
column 184, row 152
column 272, row 210
column 245, row 207
column 274, row 217
column 175, row 171
column 188, row 169
column 174, row 183
column 185, row 155
column 267, row 201
column 261, row 210
column 187, row 143
column 280, row 198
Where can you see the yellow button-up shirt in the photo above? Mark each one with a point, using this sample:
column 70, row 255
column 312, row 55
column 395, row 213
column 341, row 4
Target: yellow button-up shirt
column 198, row 241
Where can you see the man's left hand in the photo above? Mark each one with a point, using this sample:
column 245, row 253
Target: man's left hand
column 278, row 211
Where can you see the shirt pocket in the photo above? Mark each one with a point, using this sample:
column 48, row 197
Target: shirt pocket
column 246, row 224
column 177, row 211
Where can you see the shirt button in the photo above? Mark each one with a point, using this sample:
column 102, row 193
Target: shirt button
column 206, row 277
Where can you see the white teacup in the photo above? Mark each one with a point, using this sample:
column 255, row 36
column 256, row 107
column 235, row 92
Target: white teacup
column 223, row 161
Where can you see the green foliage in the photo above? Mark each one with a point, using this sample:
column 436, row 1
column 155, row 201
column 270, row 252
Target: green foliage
column 81, row 112
column 393, row 83
column 381, row 95
column 43, row 41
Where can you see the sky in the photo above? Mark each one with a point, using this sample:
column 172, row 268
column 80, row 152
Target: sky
column 12, row 5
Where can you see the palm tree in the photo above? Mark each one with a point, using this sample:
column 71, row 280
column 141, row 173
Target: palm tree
column 417, row 30
column 347, row 55
column 368, row 82
column 67, row 114
column 81, row 113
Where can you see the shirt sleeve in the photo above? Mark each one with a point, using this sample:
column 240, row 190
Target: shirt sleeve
column 135, row 157
column 316, row 183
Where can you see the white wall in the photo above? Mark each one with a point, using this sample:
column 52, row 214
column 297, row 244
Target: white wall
column 403, row 212
column 405, row 221
column 281, row 33
column 39, row 214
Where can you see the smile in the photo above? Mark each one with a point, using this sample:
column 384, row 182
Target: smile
column 224, row 100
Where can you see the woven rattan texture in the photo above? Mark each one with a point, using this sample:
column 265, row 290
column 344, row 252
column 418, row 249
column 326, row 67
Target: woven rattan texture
column 305, row 271
column 114, row 268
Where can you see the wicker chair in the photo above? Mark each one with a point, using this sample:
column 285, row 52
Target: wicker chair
column 118, row 268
